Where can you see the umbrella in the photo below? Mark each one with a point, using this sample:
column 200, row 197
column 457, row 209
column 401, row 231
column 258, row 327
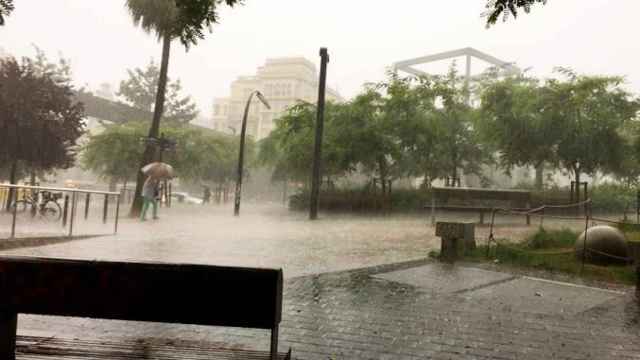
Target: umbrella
column 158, row 170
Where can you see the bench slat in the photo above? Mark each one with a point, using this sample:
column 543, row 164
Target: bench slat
column 35, row 348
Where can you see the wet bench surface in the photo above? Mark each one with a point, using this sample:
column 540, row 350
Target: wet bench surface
column 149, row 292
column 38, row 348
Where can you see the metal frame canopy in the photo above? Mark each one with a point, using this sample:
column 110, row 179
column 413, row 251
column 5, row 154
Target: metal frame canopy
column 508, row 68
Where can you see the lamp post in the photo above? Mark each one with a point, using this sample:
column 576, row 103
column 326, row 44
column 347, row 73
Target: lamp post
column 317, row 153
column 243, row 132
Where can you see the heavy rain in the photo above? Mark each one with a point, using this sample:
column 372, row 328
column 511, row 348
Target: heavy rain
column 244, row 179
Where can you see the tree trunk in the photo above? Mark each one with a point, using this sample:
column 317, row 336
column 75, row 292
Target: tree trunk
column 577, row 185
column 149, row 151
column 113, row 183
column 539, row 182
column 285, row 190
column 12, row 180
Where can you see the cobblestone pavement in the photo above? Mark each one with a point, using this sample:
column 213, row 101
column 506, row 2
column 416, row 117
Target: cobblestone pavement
column 356, row 315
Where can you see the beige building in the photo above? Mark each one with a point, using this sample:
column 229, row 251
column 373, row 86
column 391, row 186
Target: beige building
column 283, row 81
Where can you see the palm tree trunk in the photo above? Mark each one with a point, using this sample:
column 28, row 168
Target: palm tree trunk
column 149, row 151
column 12, row 180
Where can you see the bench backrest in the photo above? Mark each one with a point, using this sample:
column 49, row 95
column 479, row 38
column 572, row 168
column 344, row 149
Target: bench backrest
column 519, row 197
column 170, row 293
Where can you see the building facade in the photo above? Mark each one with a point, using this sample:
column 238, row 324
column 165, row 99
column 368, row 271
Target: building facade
column 283, row 81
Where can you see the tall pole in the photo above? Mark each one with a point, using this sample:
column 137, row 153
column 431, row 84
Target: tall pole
column 317, row 154
column 236, row 209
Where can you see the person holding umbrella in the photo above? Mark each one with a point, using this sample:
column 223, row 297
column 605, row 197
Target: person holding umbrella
column 151, row 189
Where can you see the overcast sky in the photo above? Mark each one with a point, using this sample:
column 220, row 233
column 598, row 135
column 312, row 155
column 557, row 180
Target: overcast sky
column 363, row 36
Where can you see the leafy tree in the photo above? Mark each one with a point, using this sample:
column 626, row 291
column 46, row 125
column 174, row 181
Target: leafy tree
column 513, row 121
column 450, row 124
column 169, row 19
column 406, row 106
column 628, row 170
column 590, row 112
column 201, row 155
column 114, row 154
column 140, row 91
column 365, row 138
column 506, row 8
column 289, row 147
column 6, row 7
column 40, row 119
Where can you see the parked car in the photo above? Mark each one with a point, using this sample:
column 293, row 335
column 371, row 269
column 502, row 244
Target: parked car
column 183, row 197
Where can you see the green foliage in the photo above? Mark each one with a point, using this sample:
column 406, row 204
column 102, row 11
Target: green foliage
column 183, row 19
column 200, row 155
column 398, row 128
column 6, row 7
column 196, row 15
column 589, row 111
column 610, row 197
column 115, row 153
column 364, row 200
column 506, row 8
column 554, row 260
column 41, row 120
column 551, row 239
column 140, row 91
column 513, row 123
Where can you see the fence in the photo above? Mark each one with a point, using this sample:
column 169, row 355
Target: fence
column 588, row 218
column 39, row 201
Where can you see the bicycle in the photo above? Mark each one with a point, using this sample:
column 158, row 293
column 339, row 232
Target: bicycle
column 44, row 203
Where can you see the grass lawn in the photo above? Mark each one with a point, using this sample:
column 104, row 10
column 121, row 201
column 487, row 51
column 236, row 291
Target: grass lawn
column 552, row 250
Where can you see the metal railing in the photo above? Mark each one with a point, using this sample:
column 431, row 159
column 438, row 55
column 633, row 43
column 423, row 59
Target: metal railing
column 68, row 210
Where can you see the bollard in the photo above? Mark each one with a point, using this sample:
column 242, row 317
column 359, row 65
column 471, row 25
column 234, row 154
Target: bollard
column 115, row 230
column 65, row 210
column 634, row 251
column 86, row 206
column 105, row 208
column 73, row 212
column 455, row 235
column 13, row 220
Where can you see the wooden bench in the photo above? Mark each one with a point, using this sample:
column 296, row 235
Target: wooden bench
column 153, row 292
column 517, row 200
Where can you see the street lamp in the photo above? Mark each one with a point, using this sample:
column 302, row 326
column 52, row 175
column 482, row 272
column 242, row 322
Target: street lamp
column 258, row 94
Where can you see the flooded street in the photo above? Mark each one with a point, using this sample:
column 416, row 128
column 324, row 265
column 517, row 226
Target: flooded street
column 267, row 236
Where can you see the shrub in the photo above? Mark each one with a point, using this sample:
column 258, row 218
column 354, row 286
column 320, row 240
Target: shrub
column 544, row 239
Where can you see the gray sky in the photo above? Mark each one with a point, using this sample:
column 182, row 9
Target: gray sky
column 363, row 36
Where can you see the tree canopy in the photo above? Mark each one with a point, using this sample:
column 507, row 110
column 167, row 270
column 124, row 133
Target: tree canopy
column 140, row 89
column 6, row 7
column 507, row 8
column 183, row 19
column 41, row 120
column 200, row 155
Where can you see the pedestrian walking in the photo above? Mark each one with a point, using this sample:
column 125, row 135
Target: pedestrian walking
column 150, row 193
column 206, row 197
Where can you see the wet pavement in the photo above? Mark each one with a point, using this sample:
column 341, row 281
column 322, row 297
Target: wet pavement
column 359, row 287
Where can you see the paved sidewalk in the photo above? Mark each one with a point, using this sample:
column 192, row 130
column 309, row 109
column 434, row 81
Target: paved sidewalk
column 359, row 314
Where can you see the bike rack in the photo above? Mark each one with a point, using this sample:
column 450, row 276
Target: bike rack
column 13, row 197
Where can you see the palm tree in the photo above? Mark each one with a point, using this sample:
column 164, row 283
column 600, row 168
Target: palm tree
column 6, row 7
column 168, row 20
column 506, row 8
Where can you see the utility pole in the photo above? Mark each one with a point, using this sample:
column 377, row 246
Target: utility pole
column 317, row 154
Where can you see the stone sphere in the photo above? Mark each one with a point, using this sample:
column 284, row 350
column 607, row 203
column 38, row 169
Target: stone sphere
column 602, row 240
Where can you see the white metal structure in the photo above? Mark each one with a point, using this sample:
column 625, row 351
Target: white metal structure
column 407, row 66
